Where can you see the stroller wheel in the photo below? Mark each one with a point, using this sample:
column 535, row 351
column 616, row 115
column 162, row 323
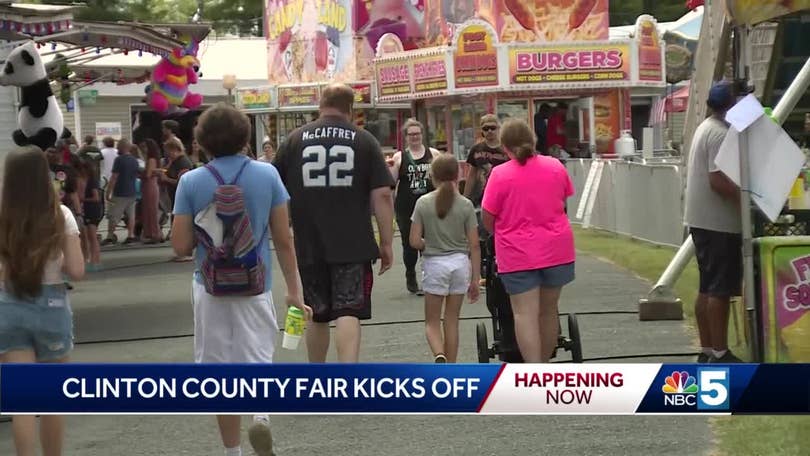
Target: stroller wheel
column 481, row 340
column 573, row 335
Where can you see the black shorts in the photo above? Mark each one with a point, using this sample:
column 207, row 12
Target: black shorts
column 93, row 213
column 719, row 258
column 337, row 290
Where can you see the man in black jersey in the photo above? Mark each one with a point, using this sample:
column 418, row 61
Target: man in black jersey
column 335, row 174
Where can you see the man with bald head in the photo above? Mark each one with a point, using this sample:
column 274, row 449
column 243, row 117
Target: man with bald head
column 335, row 174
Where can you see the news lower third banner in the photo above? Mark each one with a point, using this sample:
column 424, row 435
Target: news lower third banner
column 498, row 389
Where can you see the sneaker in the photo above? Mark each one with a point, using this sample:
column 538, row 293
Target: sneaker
column 440, row 359
column 130, row 240
column 260, row 437
column 108, row 241
column 702, row 358
column 727, row 358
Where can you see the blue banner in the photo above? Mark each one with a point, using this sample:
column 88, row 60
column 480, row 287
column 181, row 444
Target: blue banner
column 404, row 388
column 276, row 388
column 735, row 388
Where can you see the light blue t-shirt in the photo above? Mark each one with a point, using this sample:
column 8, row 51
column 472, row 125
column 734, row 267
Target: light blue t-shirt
column 263, row 191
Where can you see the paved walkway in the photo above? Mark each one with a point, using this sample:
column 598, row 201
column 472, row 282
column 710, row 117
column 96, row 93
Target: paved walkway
column 140, row 295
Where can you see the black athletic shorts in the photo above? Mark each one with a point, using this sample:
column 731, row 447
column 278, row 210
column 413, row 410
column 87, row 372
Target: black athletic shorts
column 719, row 258
column 337, row 290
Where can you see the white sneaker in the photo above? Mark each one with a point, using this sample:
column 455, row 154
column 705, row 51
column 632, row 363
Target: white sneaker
column 260, row 437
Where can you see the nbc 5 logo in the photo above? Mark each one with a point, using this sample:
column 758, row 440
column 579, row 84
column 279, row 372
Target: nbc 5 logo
column 714, row 388
column 708, row 391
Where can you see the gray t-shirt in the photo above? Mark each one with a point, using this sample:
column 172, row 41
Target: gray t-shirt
column 706, row 208
column 448, row 235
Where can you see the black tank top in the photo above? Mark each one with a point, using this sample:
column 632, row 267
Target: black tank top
column 414, row 181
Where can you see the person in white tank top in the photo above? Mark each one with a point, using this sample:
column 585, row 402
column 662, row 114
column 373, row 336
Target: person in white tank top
column 39, row 242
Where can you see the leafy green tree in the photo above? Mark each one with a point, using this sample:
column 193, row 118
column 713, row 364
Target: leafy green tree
column 625, row 12
column 242, row 17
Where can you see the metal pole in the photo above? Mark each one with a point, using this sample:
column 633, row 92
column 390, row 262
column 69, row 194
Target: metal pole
column 795, row 91
column 741, row 66
column 677, row 265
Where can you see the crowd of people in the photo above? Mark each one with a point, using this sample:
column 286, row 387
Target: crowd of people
column 325, row 183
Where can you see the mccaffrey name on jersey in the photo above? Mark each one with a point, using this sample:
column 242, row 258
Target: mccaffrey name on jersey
column 328, row 132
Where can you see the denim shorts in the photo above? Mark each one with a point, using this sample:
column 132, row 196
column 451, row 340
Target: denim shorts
column 551, row 277
column 43, row 324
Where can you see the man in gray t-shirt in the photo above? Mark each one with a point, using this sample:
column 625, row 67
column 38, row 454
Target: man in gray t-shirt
column 713, row 217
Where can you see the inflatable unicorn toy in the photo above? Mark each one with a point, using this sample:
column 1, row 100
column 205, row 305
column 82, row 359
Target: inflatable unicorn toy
column 171, row 78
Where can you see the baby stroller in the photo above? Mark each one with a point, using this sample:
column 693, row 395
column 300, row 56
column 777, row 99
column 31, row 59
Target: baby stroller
column 505, row 345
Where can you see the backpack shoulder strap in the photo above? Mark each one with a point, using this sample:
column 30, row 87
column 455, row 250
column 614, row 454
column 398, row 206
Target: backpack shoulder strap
column 215, row 173
column 239, row 174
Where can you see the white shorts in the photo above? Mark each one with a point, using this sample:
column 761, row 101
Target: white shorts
column 233, row 329
column 444, row 275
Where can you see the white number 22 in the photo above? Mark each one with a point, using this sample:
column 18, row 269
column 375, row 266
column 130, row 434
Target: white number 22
column 341, row 166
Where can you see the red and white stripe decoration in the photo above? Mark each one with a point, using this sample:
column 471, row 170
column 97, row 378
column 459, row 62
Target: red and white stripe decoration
column 36, row 29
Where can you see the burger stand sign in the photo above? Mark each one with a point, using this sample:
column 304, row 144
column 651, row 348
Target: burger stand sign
column 476, row 62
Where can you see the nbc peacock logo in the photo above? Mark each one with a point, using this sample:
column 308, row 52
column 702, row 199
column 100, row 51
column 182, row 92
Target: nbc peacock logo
column 680, row 389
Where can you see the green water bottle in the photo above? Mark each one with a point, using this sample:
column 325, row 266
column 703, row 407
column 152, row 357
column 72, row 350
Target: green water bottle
column 293, row 328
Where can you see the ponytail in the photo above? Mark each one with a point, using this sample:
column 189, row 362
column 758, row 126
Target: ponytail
column 444, row 171
column 523, row 153
column 519, row 139
column 444, row 199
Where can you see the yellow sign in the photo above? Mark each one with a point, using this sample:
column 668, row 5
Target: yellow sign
column 756, row 11
column 255, row 98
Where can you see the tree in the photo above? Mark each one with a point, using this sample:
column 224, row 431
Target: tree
column 241, row 17
column 625, row 12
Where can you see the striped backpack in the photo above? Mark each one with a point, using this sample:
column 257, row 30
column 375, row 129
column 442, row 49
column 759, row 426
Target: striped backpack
column 234, row 267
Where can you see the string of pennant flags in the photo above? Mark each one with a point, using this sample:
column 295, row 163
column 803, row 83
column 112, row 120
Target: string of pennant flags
column 39, row 28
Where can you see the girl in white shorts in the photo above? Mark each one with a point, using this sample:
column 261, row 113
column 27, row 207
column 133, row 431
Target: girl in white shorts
column 445, row 229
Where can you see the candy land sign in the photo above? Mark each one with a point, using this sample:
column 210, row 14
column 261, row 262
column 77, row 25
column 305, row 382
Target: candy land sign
column 475, row 58
column 309, row 40
column 569, row 64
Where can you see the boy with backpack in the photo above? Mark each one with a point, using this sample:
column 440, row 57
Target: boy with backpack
column 226, row 209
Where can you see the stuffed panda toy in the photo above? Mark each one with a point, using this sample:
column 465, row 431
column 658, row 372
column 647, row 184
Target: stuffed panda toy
column 40, row 120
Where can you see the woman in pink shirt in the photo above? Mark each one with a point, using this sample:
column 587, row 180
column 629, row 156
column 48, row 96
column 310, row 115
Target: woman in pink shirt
column 524, row 206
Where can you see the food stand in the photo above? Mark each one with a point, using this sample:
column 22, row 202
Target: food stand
column 451, row 86
column 275, row 111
